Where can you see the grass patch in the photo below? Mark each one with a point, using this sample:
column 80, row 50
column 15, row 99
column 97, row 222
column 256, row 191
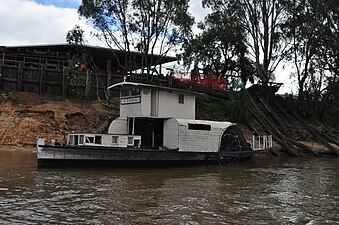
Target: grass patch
column 213, row 108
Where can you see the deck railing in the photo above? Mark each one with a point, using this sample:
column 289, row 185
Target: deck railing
column 261, row 142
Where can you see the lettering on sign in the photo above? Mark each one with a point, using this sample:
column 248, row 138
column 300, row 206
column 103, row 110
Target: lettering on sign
column 132, row 100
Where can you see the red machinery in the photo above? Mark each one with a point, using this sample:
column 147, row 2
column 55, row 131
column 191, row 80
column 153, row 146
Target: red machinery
column 202, row 80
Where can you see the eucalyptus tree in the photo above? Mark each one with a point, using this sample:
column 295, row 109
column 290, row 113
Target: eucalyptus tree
column 148, row 26
column 329, row 40
column 302, row 29
column 312, row 29
column 220, row 46
column 261, row 20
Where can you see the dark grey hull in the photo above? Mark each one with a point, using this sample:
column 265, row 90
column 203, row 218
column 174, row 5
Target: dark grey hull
column 108, row 156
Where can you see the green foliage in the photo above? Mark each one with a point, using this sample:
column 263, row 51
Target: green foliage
column 261, row 20
column 75, row 36
column 240, row 107
column 213, row 108
column 150, row 27
column 221, row 46
column 312, row 30
column 77, row 83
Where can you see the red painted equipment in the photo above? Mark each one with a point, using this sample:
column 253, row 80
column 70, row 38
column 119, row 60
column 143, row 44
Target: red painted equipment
column 202, row 80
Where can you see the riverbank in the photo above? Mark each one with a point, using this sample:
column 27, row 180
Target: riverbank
column 24, row 117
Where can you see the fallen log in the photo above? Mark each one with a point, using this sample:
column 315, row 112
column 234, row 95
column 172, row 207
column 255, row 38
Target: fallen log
column 275, row 117
column 314, row 134
column 290, row 119
column 271, row 128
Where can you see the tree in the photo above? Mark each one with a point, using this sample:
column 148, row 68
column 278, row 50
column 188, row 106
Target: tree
column 330, row 45
column 76, row 38
column 220, row 46
column 312, row 29
column 148, row 26
column 302, row 30
column 262, row 20
column 329, row 42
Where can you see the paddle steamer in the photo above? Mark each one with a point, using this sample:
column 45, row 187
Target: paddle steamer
column 157, row 126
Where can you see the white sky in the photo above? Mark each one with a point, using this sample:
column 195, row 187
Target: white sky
column 28, row 22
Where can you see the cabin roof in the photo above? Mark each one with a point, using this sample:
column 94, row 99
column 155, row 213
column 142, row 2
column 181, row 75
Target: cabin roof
column 214, row 124
column 126, row 83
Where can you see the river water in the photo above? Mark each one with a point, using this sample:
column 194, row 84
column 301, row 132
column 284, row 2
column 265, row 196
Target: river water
column 262, row 191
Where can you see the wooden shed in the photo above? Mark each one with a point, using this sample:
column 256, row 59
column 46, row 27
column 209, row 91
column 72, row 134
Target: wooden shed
column 53, row 69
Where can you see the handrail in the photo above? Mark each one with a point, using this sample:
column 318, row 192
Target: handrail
column 262, row 142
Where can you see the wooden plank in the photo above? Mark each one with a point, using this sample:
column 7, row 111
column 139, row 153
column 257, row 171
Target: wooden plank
column 65, row 72
column 42, row 80
column 315, row 134
column 275, row 117
column 20, row 74
column 88, row 85
column 1, row 64
column 272, row 129
column 292, row 123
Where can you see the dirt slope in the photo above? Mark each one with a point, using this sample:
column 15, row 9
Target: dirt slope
column 27, row 116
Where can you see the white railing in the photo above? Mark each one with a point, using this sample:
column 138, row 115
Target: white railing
column 261, row 142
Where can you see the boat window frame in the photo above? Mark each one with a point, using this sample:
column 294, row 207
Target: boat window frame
column 181, row 99
column 76, row 139
column 115, row 138
column 81, row 139
column 130, row 140
column 135, row 91
column 71, row 139
column 199, row 126
column 89, row 140
column 125, row 92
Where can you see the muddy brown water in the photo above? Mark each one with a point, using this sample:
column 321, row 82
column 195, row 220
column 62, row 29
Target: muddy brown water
column 262, row 191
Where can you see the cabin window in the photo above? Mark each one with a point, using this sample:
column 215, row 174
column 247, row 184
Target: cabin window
column 81, row 139
column 193, row 126
column 181, row 99
column 71, row 140
column 146, row 91
column 114, row 139
column 97, row 140
column 124, row 92
column 89, row 140
column 76, row 139
column 130, row 141
column 135, row 91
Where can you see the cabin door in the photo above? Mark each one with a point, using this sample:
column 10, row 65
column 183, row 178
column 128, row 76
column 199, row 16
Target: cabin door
column 151, row 131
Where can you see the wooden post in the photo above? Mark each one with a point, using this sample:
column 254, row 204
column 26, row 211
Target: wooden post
column 1, row 64
column 88, row 85
column 65, row 72
column 42, row 88
column 109, row 83
column 2, row 50
column 109, row 76
column 20, row 75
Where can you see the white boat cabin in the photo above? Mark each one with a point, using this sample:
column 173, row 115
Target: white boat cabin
column 165, row 119
column 144, row 100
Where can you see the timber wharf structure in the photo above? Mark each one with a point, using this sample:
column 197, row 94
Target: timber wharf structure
column 54, row 69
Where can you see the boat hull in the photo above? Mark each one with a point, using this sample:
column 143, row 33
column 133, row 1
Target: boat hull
column 107, row 156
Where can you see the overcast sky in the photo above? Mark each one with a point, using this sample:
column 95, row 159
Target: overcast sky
column 25, row 22
column 28, row 22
